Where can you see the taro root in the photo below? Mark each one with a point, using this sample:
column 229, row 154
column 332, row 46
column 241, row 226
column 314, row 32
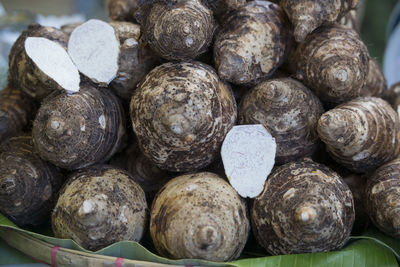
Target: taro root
column 308, row 15
column 305, row 207
column 75, row 131
column 199, row 216
column 39, row 63
column 357, row 185
column 382, row 198
column 221, row 8
column 181, row 113
column 142, row 170
column 16, row 111
column 333, row 62
column 69, row 28
column 123, row 10
column 135, row 59
column 361, row 134
column 375, row 84
column 28, row 185
column 179, row 29
column 99, row 206
column 392, row 95
column 252, row 43
column 290, row 111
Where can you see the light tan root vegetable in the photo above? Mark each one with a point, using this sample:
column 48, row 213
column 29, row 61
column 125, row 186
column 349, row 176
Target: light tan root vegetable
column 199, row 216
column 305, row 207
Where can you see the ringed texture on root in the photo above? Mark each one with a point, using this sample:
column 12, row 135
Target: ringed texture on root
column 79, row 130
column 305, row 207
column 181, row 113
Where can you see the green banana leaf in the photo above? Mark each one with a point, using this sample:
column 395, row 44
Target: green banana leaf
column 371, row 249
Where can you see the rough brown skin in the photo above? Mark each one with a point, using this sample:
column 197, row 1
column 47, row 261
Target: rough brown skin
column 252, row 43
column 361, row 134
column 375, row 83
column 221, row 8
column 199, row 216
column 392, row 95
column 23, row 72
column 305, row 207
column 308, row 15
column 333, row 62
column 99, row 206
column 350, row 20
column 289, row 111
column 357, row 185
column 181, row 113
column 178, row 29
column 79, row 130
column 135, row 61
column 142, row 170
column 17, row 110
column 69, row 28
column 382, row 198
column 123, row 10
column 28, row 185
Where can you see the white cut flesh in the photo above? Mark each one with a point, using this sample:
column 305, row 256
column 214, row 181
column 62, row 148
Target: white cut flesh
column 94, row 48
column 52, row 59
column 248, row 154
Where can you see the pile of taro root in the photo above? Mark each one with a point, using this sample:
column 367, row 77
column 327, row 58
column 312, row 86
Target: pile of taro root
column 202, row 122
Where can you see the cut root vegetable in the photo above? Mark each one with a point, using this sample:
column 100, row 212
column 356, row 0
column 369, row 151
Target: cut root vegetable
column 94, row 48
column 56, row 64
column 248, row 154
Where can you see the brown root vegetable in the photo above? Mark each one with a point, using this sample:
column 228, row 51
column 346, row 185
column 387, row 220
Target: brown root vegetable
column 39, row 63
column 350, row 20
column 333, row 62
column 305, row 207
column 308, row 15
column 375, row 84
column 252, row 44
column 123, row 10
column 181, row 113
column 392, row 95
column 99, row 206
column 135, row 59
column 79, row 130
column 357, row 185
column 199, row 216
column 290, row 111
column 69, row 28
column 16, row 111
column 361, row 134
column 142, row 170
column 28, row 185
column 178, row 30
column 221, row 8
column 382, row 198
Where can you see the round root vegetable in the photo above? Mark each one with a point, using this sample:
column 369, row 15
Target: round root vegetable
column 181, row 113
column 94, row 47
column 252, row 44
column 221, row 8
column 361, row 134
column 333, row 62
column 39, row 63
column 28, row 185
column 75, row 131
column 142, row 170
column 375, row 84
column 248, row 154
column 357, row 184
column 123, row 10
column 305, row 207
column 199, row 216
column 16, row 111
column 308, row 15
column 290, row 111
column 135, row 59
column 99, row 206
column 382, row 198
column 178, row 30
